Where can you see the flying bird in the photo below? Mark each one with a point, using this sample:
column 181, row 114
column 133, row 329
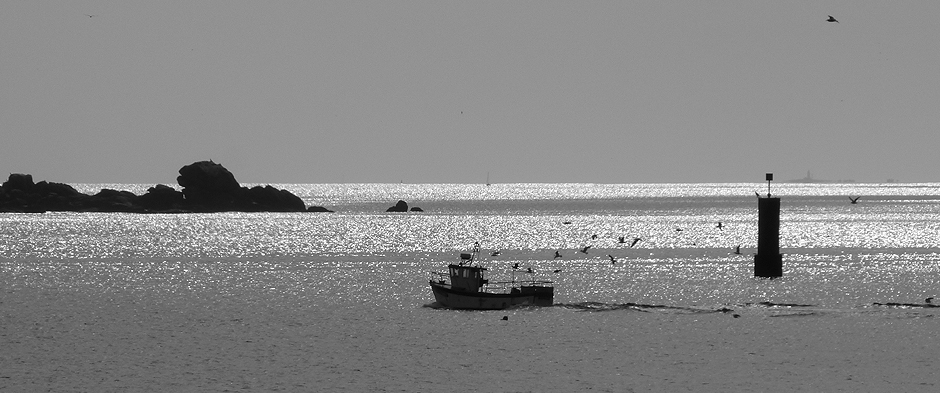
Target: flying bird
column 831, row 19
column 719, row 226
column 737, row 250
column 635, row 241
column 495, row 253
column 557, row 254
column 585, row 249
column 854, row 200
column 613, row 261
column 557, row 270
column 623, row 239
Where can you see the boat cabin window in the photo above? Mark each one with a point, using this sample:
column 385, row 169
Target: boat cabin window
column 466, row 273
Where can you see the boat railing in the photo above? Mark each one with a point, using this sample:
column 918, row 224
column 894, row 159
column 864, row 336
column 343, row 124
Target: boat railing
column 443, row 278
column 514, row 286
column 523, row 282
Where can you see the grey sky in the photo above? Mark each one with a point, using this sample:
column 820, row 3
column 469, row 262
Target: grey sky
column 446, row 91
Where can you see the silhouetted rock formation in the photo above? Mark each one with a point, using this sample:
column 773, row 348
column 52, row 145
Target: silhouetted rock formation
column 207, row 187
column 401, row 206
column 20, row 194
column 161, row 198
column 268, row 198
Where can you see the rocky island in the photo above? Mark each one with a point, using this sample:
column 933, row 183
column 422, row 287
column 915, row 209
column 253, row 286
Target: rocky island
column 207, row 187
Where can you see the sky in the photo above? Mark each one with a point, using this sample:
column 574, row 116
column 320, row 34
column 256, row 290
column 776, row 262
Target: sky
column 455, row 91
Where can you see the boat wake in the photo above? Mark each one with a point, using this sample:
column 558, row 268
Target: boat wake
column 906, row 305
column 775, row 305
column 768, row 308
column 599, row 307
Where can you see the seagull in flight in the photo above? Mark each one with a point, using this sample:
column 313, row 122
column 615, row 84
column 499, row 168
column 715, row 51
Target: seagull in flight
column 854, row 200
column 585, row 249
column 613, row 261
column 557, row 255
column 831, row 19
column 635, row 241
column 719, row 226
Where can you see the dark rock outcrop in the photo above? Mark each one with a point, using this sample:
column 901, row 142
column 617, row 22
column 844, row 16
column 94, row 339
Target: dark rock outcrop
column 19, row 181
column 268, row 198
column 109, row 200
column 207, row 187
column 20, row 194
column 401, row 206
column 161, row 198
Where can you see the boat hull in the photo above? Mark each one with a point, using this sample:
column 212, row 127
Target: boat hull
column 457, row 299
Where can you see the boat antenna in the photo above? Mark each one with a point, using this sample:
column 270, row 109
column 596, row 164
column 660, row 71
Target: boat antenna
column 475, row 253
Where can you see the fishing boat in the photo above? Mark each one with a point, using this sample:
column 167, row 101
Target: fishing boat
column 464, row 286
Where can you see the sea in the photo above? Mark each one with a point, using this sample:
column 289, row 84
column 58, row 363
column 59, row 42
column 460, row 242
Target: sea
column 651, row 293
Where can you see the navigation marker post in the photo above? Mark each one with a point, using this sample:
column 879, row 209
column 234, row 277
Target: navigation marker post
column 768, row 262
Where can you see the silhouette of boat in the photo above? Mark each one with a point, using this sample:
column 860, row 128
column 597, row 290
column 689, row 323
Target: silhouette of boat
column 465, row 286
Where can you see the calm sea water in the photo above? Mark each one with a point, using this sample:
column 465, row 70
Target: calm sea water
column 339, row 301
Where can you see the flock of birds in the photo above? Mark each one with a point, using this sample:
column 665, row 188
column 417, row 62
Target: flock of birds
column 613, row 260
column 633, row 242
